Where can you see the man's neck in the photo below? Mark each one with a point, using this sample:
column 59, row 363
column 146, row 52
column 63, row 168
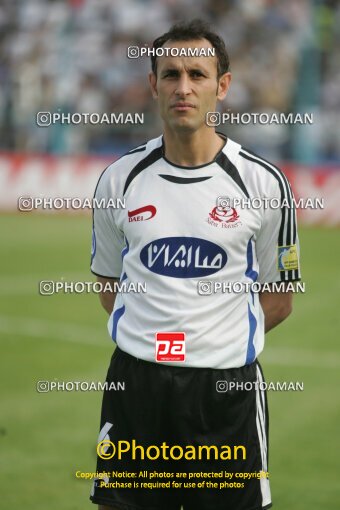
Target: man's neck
column 192, row 149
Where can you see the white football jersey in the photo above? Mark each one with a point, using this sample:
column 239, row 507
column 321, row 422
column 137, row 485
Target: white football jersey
column 184, row 244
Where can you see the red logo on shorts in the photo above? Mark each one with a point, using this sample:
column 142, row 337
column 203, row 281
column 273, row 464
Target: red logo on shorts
column 170, row 346
column 143, row 213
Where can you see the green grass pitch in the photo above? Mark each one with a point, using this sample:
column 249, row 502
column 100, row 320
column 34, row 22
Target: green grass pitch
column 46, row 437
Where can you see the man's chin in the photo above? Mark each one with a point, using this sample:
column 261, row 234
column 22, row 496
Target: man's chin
column 183, row 125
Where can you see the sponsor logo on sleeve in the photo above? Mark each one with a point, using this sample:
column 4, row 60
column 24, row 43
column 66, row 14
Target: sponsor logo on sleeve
column 288, row 258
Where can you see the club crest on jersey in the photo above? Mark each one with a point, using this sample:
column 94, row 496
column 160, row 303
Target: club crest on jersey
column 142, row 214
column 224, row 216
column 183, row 257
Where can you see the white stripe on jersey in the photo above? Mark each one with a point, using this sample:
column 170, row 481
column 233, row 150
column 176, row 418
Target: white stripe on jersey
column 261, row 431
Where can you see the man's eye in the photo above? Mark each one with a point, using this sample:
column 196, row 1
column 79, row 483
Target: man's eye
column 170, row 75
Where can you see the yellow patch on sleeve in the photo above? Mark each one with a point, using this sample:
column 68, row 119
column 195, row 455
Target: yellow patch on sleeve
column 287, row 258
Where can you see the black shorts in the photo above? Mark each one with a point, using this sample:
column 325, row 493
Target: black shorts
column 187, row 410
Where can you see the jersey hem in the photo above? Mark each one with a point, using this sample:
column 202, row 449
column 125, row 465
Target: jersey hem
column 102, row 276
column 119, row 350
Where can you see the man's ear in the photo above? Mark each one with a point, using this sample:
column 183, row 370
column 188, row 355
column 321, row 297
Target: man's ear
column 153, row 84
column 223, row 86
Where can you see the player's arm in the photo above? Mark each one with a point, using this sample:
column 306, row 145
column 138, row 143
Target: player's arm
column 107, row 243
column 276, row 307
column 108, row 295
column 277, row 249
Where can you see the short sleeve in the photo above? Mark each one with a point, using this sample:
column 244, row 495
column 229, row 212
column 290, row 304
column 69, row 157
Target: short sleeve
column 277, row 243
column 107, row 239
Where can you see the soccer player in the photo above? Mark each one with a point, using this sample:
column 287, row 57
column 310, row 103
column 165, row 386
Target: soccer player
column 180, row 345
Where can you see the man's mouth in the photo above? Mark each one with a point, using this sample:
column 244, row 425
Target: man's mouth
column 182, row 106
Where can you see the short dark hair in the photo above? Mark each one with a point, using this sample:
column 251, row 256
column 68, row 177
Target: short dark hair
column 195, row 29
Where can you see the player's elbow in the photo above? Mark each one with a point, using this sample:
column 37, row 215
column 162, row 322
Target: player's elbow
column 276, row 314
column 276, row 308
column 107, row 294
column 284, row 310
column 281, row 307
column 107, row 301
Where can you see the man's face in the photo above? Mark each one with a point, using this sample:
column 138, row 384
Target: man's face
column 186, row 88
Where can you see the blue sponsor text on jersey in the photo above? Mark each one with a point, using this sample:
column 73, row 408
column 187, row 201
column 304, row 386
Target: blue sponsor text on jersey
column 183, row 257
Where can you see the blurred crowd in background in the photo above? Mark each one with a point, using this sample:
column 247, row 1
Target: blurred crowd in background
column 71, row 56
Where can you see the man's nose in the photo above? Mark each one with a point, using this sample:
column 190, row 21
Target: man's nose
column 183, row 85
